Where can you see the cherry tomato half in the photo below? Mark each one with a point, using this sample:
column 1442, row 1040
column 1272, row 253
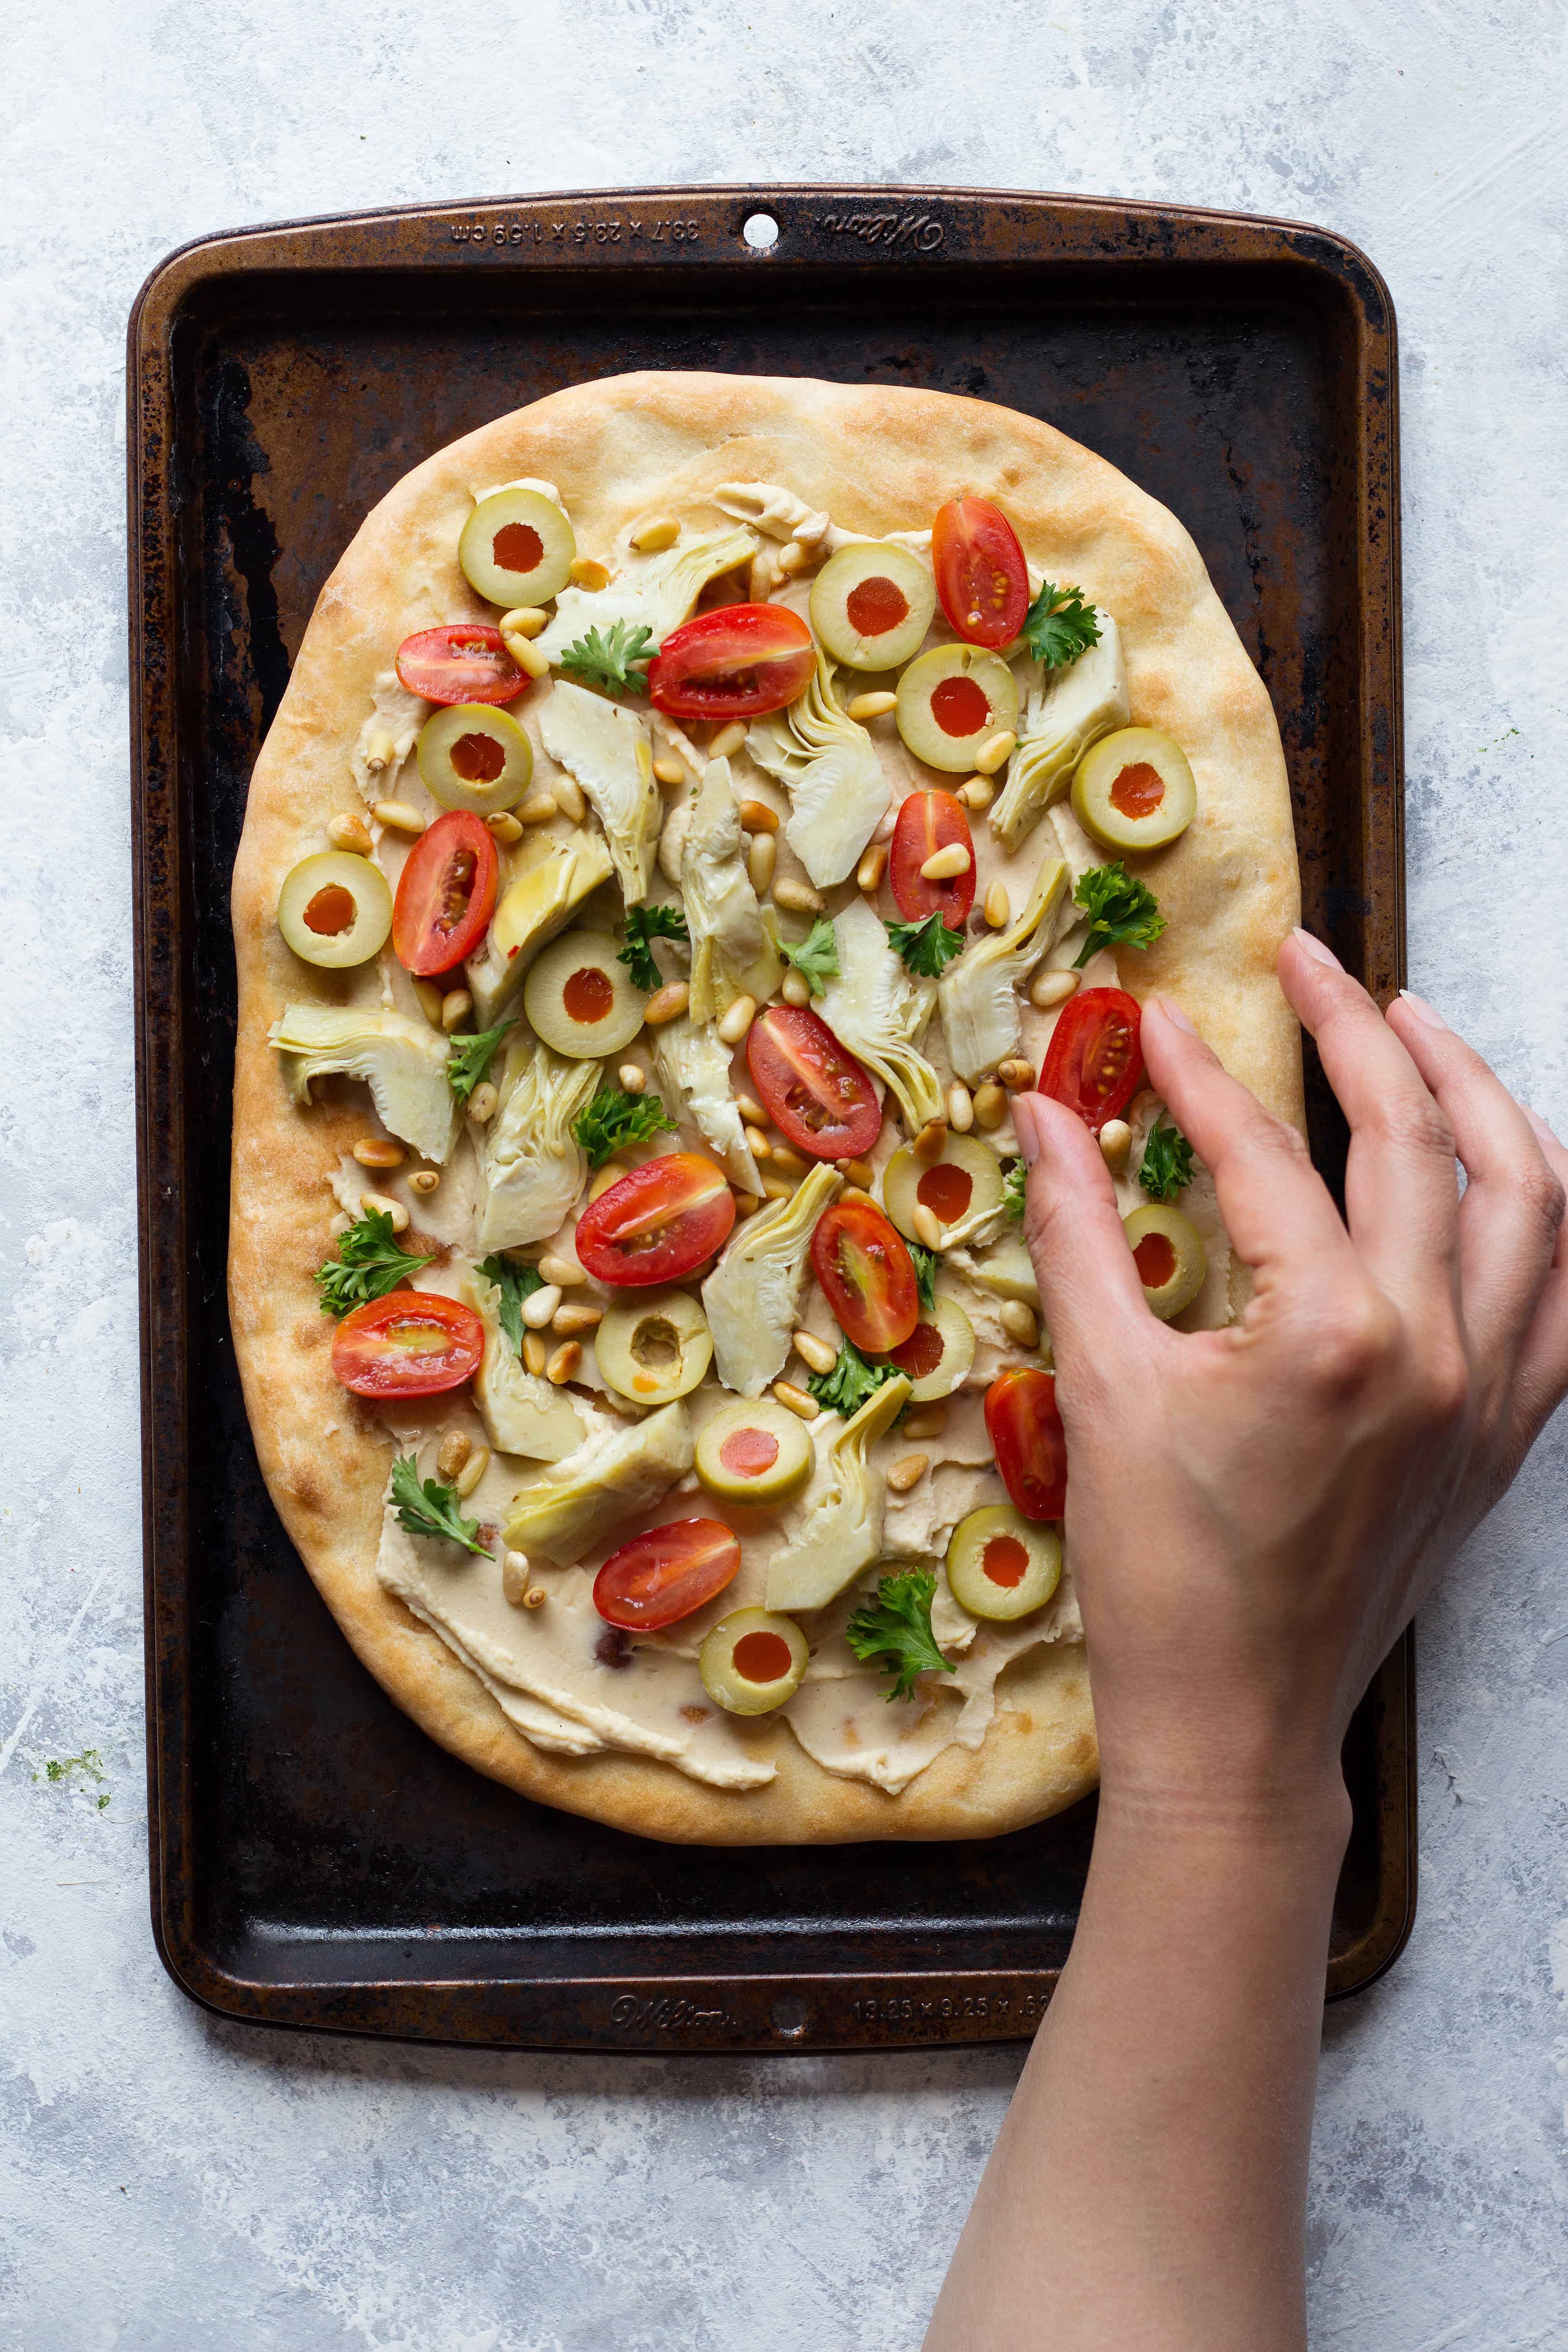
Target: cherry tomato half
column 929, row 821
column 817, row 1094
column 446, row 894
column 1093, row 1062
column 410, row 1343
column 465, row 663
column 867, row 1275
column 1026, row 1437
column 659, row 1223
column 665, row 1573
column 981, row 575
column 733, row 663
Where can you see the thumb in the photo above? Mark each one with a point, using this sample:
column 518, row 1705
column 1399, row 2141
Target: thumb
column 1089, row 1289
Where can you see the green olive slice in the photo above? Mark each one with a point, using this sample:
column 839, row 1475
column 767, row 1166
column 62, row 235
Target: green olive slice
column 654, row 1348
column 474, row 757
column 965, row 1181
column 517, row 548
column 579, row 996
column 755, row 1453
column 1169, row 1252
column 871, row 606
column 1134, row 789
column 335, row 908
column 952, row 701
column 753, row 1661
column 938, row 1352
column 1002, row 1565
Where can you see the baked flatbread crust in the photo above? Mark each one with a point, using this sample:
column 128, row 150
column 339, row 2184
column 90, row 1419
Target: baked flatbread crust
column 878, row 459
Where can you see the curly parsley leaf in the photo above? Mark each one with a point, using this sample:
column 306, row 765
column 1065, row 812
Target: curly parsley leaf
column 368, row 1265
column 895, row 1629
column 604, row 656
column 1167, row 1167
column 1060, row 625
column 613, row 1118
column 926, row 1262
column 815, row 957
column 925, row 947
column 643, row 925
column 471, row 1058
column 428, row 1508
column 515, row 1284
column 846, row 1388
column 1122, row 912
column 1013, row 1192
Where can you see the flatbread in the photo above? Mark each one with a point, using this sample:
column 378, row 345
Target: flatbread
column 877, row 460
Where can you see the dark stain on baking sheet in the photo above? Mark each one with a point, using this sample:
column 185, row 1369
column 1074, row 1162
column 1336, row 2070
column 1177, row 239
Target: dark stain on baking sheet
column 316, row 1860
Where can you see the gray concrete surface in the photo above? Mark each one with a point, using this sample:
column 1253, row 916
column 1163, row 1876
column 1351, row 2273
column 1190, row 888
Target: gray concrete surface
column 173, row 2184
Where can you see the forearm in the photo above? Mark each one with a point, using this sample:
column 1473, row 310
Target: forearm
column 1148, row 2186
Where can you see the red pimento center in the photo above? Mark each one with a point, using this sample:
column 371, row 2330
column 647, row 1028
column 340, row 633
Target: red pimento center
column 746, row 1453
column 516, row 547
column 478, row 758
column 875, row 606
column 959, row 707
column 1155, row 1259
column 946, row 1191
column 588, row 995
column 922, row 1352
column 1138, row 791
column 1005, row 1561
column 761, row 1657
column 330, row 912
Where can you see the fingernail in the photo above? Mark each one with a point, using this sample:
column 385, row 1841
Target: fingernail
column 1174, row 1015
column 1316, row 950
column 1543, row 1133
column 1421, row 1010
column 1025, row 1130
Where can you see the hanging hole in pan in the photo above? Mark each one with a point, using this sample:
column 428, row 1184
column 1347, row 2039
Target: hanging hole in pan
column 760, row 231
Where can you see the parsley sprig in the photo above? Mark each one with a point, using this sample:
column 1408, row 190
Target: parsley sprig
column 368, row 1265
column 1013, row 1192
column 515, row 1284
column 471, row 1058
column 1122, row 911
column 895, row 1629
column 926, row 1262
column 1060, row 625
column 428, row 1508
column 643, row 925
column 815, row 957
column 604, row 656
column 1167, row 1167
column 846, row 1388
column 613, row 1118
column 925, row 947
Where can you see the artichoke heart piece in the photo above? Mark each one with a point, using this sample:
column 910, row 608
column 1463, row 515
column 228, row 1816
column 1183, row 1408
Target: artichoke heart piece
column 694, row 1079
column 843, row 1534
column 977, row 996
column 753, row 1293
column 607, row 750
column 879, row 1009
column 828, row 764
column 658, row 595
column 1068, row 709
column 533, row 909
column 580, row 1500
column 404, row 1062
column 722, row 913
column 521, row 1414
column 531, row 1165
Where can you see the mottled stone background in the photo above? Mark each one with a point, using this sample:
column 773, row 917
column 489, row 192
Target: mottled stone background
column 173, row 2184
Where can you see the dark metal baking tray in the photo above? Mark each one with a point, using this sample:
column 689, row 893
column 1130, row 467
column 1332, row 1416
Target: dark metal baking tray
column 316, row 1861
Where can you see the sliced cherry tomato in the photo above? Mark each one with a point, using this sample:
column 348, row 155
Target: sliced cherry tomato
column 981, row 574
column 446, row 894
column 1093, row 1062
column 817, row 1094
column 733, row 663
column 410, row 1343
column 929, row 821
column 867, row 1274
column 1025, row 1433
column 665, row 1573
column 465, row 663
column 659, row 1223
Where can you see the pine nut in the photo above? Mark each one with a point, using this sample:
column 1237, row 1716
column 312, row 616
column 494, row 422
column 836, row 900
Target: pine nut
column 903, row 1476
column 927, row 1225
column 1017, row 1076
column 669, row 770
column 930, row 1421
column 756, row 816
column 524, row 621
column 762, row 857
column 870, row 706
column 514, row 1574
column 379, row 1152
column 398, row 817
column 931, row 1140
column 567, row 794
column 887, row 825
column 537, row 809
column 350, row 831
column 424, row 1181
column 776, row 1188
column 728, row 741
column 853, row 1193
column 798, row 897
column 976, row 793
column 667, row 1003
column 794, row 558
column 815, row 1352
column 750, row 1110
column 610, row 1173
column 757, row 1144
column 429, row 997
column 992, row 754
column 760, row 579
column 383, row 1204
column 960, row 1107
column 456, row 1007
column 738, row 1020
column 796, row 988
column 789, row 1162
column 633, row 1078
column 534, row 1353
column 574, row 1315
column 560, row 1270
column 472, row 1471
column 857, row 1171
column 587, row 571
column 504, row 826
column 538, row 1309
column 1018, row 1320
column 535, row 1596
column 528, row 657
column 482, row 1102
column 380, row 752
column 564, row 1363
column 990, row 1105
column 1049, row 988
column 945, row 865
column 653, row 537
column 746, row 1204
column 1115, row 1144
column 872, row 867
column 796, row 1400
column 998, row 909
column 453, row 1452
